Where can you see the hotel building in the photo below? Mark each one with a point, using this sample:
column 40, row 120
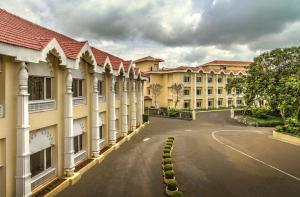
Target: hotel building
column 61, row 102
column 204, row 87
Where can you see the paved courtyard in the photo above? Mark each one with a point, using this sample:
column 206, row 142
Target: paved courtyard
column 213, row 157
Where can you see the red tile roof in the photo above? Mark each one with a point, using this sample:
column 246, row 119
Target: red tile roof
column 228, row 62
column 149, row 58
column 17, row 31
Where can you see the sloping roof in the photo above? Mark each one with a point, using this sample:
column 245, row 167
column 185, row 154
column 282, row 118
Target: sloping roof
column 149, row 58
column 17, row 31
column 228, row 62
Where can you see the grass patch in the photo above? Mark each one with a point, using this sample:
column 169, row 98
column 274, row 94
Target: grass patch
column 268, row 120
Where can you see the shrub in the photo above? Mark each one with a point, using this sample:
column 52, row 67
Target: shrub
column 168, row 167
column 279, row 128
column 172, row 185
column 166, row 150
column 167, row 161
column 171, row 137
column 177, row 194
column 169, row 143
column 169, row 174
column 173, row 113
column 168, row 147
column 166, row 155
column 260, row 112
column 170, row 140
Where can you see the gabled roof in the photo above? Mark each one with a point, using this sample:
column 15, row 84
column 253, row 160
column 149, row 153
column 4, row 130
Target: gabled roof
column 149, row 58
column 17, row 31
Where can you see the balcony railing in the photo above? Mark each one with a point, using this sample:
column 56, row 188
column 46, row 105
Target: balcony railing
column 79, row 100
column 41, row 105
column 102, row 98
column 1, row 111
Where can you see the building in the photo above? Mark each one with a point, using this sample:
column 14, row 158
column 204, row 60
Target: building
column 61, row 102
column 204, row 87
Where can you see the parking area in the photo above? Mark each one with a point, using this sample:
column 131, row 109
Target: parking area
column 214, row 156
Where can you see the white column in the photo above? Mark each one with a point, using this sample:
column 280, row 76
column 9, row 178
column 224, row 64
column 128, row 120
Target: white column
column 112, row 118
column 69, row 133
column 140, row 102
column 217, row 89
column 125, row 109
column 234, row 98
column 133, row 106
column 226, row 93
column 95, row 119
column 23, row 174
column 206, row 92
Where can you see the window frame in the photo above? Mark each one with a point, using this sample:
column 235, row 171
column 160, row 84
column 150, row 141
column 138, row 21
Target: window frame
column 209, row 90
column 79, row 143
column 44, row 88
column 209, row 79
column 188, row 79
column 220, row 90
column 197, row 79
column 45, row 168
column 80, row 88
column 184, row 92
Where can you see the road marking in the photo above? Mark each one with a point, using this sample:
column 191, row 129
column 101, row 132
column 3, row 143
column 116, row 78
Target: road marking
column 187, row 130
column 146, row 139
column 249, row 156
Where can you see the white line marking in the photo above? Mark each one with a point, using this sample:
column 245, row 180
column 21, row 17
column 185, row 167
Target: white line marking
column 146, row 139
column 187, row 130
column 245, row 154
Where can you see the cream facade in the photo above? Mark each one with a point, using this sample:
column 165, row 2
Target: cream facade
column 204, row 87
column 57, row 111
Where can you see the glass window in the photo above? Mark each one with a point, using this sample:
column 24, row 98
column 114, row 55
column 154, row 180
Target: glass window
column 80, row 87
column 77, row 87
column 186, row 79
column 199, row 103
column 186, row 104
column 48, row 158
column 76, row 148
column 219, row 79
column 78, row 143
column 210, row 103
column 100, row 132
column 209, row 91
column 238, row 91
column 209, row 79
column 198, row 79
column 100, row 87
column 37, row 163
column 198, row 91
column 48, row 88
column 220, row 102
column 220, row 90
column 186, row 92
column 36, row 88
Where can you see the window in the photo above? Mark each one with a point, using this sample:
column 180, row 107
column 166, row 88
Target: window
column 151, row 68
column 40, row 161
column 229, row 102
column 198, row 91
column 209, row 91
column 219, row 79
column 78, row 143
column 77, row 87
column 239, row 101
column 186, row 79
column 210, row 103
column 220, row 90
column 209, row 79
column 116, row 87
column 186, row 92
column 186, row 104
column 39, row 88
column 220, row 102
column 238, row 91
column 229, row 91
column 198, row 79
column 100, row 87
column 199, row 104
column 149, row 91
column 101, row 132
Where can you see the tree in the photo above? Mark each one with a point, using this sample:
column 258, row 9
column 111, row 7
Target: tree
column 177, row 89
column 274, row 77
column 155, row 89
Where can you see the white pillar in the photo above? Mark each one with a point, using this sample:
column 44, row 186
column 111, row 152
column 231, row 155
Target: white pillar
column 234, row 98
column 23, row 174
column 112, row 118
column 140, row 102
column 95, row 119
column 226, row 93
column 206, row 92
column 217, row 90
column 69, row 133
column 125, row 109
column 133, row 106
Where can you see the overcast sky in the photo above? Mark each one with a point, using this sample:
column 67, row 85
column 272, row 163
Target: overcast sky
column 182, row 32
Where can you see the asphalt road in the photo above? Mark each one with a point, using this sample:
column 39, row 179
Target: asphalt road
column 213, row 155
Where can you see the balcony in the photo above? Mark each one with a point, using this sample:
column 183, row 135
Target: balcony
column 79, row 100
column 41, row 105
column 1, row 111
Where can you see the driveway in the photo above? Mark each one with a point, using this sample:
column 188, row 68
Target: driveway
column 213, row 155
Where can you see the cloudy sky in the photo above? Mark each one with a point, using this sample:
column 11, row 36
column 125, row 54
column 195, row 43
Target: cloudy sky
column 182, row 32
